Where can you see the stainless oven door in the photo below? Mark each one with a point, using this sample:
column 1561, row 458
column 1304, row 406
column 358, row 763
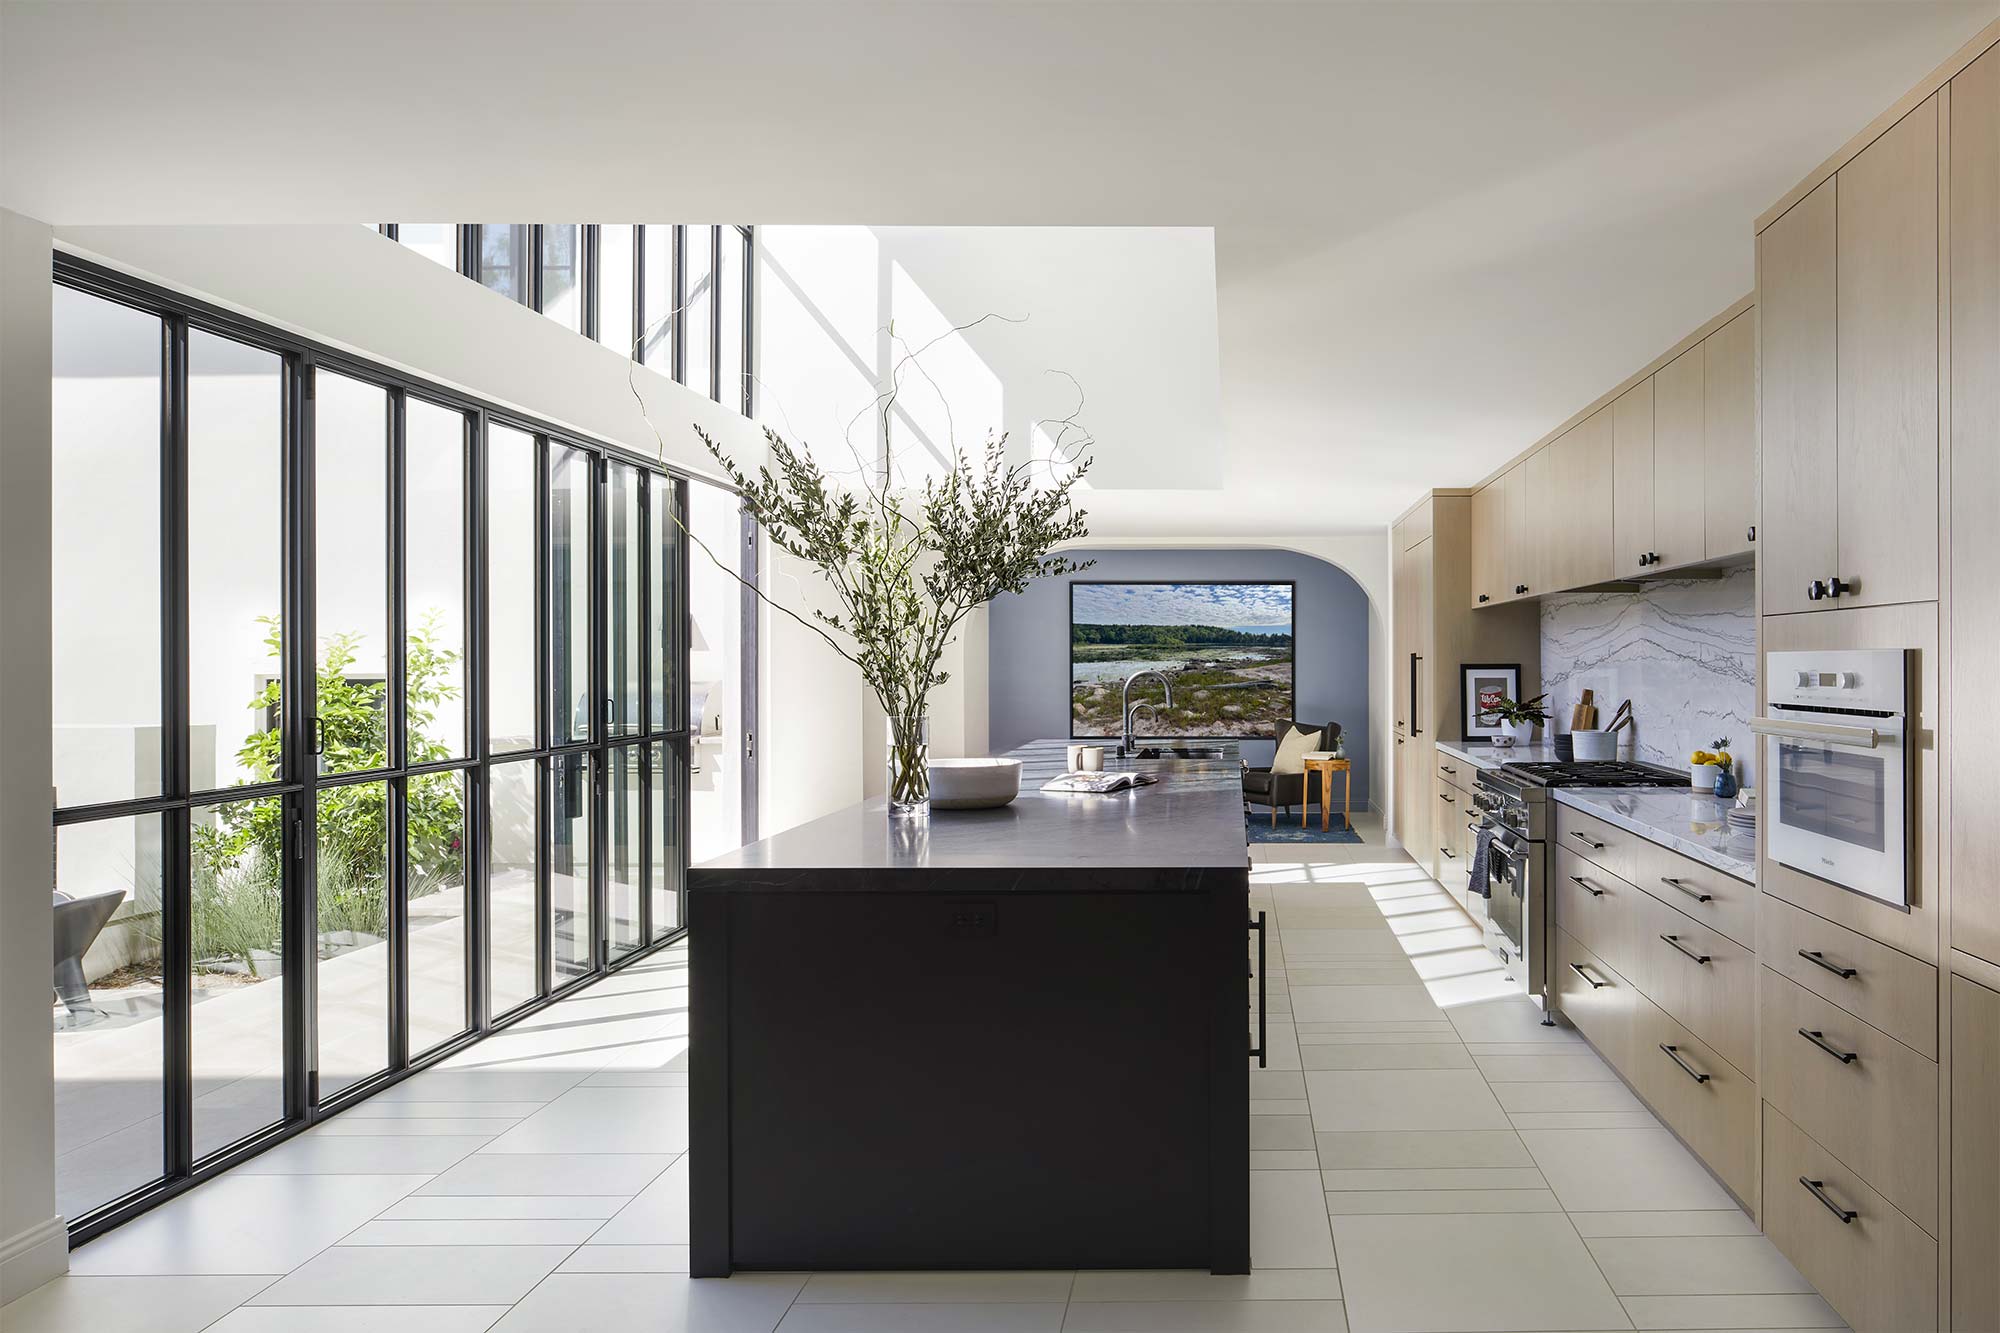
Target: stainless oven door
column 1836, row 796
column 1510, row 868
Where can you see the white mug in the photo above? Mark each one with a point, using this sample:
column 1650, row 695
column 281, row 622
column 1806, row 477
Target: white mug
column 1073, row 757
column 1092, row 758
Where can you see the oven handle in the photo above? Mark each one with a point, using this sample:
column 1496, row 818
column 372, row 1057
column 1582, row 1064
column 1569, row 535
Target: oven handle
column 1838, row 733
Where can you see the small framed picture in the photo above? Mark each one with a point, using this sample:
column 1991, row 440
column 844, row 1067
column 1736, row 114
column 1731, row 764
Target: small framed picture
column 1481, row 688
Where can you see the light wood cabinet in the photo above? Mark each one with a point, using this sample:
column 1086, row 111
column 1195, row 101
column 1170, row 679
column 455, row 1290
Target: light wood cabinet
column 1489, row 545
column 1795, row 328
column 1578, row 520
column 1975, row 494
column 1414, row 639
column 1729, row 434
column 1886, row 271
column 1975, row 1156
column 1632, row 479
column 1517, row 572
column 1680, row 527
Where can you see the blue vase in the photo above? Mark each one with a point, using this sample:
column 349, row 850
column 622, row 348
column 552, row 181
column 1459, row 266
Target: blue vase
column 1725, row 783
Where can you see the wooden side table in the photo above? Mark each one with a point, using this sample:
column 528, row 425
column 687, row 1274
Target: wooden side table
column 1326, row 764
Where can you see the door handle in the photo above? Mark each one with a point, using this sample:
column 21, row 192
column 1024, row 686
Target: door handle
column 1682, row 949
column 1674, row 1054
column 1587, row 886
column 1819, row 1039
column 1673, row 883
column 1838, row 733
column 1263, row 1042
column 1818, row 959
column 1817, row 1188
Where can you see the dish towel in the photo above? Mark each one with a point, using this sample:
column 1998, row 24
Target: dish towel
column 1482, row 845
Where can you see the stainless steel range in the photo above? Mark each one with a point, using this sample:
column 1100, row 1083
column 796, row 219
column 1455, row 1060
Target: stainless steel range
column 1513, row 802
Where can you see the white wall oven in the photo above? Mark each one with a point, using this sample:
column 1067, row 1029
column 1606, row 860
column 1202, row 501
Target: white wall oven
column 1837, row 768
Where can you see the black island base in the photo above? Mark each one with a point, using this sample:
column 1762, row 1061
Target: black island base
column 1013, row 1040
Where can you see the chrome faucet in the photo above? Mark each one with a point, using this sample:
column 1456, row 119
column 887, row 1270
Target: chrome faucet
column 1126, row 708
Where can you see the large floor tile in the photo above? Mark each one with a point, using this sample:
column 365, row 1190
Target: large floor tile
column 381, row 1108
column 1397, row 1148
column 416, row 1275
column 1011, row 1317
column 1296, row 1159
column 316, row 1154
column 483, row 1231
column 1596, row 1095
column 1340, row 1202
column 1308, row 947
column 1696, row 1222
column 657, row 1215
column 1730, row 1312
column 1613, row 1170
column 80, row 1304
column 1207, row 1317
column 1385, row 1055
column 1264, row 1284
column 1517, row 1019
column 550, row 1173
column 1288, row 1227
column 1363, row 1099
column 1362, row 1004
column 1275, row 1084
column 1434, row 1178
column 1280, row 1132
column 346, row 1127
column 627, row 1259
column 1695, row 1266
column 504, row 1207
column 1579, row 1067
column 934, row 1288
column 458, row 1083
column 243, row 1224
column 1465, row 1274
column 607, row 1120
column 359, row 1319
column 654, row 1302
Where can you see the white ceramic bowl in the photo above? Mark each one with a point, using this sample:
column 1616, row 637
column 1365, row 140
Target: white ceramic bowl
column 974, row 784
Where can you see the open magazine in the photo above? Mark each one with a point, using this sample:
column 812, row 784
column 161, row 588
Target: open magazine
column 1098, row 783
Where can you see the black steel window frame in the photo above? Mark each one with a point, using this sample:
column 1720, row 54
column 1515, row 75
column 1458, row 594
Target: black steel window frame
column 301, row 359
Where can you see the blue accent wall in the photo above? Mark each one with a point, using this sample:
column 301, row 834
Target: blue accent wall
column 1027, row 680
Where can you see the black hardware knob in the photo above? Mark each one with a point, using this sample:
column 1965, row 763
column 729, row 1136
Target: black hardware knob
column 1645, row 557
column 1816, row 590
column 1751, row 535
column 1484, row 598
column 1835, row 587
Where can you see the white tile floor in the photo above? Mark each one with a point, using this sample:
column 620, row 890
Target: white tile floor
column 1426, row 1156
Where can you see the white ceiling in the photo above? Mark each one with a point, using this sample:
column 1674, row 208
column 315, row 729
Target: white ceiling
column 1440, row 228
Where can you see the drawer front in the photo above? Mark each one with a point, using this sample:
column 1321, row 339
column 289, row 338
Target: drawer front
column 1705, row 981
column 1702, row 1096
column 1455, row 772
column 1609, row 846
column 1595, row 907
column 1877, row 1112
column 1720, row 902
column 1877, row 1268
column 1889, row 988
column 1595, row 999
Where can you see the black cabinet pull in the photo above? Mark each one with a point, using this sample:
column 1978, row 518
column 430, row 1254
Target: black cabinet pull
column 1448, row 770
column 1838, row 587
column 1674, row 1054
column 1447, row 799
column 1680, row 948
column 1817, row 1188
column 1594, row 846
column 1587, row 886
column 1593, row 982
column 1751, row 533
column 1818, row 959
column 1816, row 590
column 1673, row 883
column 1819, row 1039
column 1263, row 1042
column 1449, row 853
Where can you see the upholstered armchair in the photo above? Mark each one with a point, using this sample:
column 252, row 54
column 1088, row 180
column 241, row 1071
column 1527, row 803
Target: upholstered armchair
column 1276, row 786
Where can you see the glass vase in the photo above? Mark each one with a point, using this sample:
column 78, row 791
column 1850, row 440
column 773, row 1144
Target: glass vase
column 910, row 767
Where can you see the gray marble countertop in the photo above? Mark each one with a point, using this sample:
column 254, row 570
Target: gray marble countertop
column 1190, row 820
column 1678, row 818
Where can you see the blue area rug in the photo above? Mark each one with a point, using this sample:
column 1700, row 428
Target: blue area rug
column 1258, row 825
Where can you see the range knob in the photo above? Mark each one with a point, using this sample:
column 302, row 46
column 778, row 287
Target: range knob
column 1849, row 681
column 1805, row 678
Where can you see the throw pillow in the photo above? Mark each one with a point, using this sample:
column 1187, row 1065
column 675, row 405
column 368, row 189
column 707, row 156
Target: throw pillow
column 1293, row 748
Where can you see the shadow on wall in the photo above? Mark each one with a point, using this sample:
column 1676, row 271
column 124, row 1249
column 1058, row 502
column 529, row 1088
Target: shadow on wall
column 1028, row 649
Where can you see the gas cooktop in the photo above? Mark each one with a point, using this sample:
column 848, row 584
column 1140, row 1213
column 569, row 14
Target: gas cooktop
column 1594, row 773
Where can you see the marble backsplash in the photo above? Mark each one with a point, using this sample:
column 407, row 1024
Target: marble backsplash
column 1684, row 653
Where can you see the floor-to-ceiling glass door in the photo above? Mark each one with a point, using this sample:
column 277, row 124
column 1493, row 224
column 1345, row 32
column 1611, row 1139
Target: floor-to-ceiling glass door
column 370, row 728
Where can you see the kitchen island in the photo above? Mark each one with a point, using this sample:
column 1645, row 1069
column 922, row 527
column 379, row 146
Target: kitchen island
column 1007, row 1039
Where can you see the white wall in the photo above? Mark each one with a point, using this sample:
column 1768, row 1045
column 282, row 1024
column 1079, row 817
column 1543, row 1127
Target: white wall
column 810, row 750
column 33, row 1246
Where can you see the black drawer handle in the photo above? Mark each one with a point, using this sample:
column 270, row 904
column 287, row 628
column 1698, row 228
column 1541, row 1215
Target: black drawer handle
column 1674, row 1054
column 1448, row 770
column 1587, row 886
column 1448, row 800
column 1263, row 1041
column 1817, row 1188
column 1673, row 883
column 1594, row 983
column 1449, row 853
column 1818, row 959
column 1594, row 846
column 1818, row 1039
column 1680, row 948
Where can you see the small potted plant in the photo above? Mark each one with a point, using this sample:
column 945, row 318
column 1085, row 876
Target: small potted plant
column 1518, row 719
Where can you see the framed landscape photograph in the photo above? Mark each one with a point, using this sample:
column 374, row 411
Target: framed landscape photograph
column 1481, row 686
column 1227, row 647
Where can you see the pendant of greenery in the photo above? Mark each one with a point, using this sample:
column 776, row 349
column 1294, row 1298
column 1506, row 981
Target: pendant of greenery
column 909, row 566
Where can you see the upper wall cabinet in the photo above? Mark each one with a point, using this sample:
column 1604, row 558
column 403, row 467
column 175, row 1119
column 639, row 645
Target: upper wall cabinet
column 1661, row 477
column 1848, row 289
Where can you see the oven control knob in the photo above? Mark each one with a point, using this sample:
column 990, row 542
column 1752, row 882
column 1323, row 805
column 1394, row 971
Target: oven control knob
column 1849, row 681
column 1805, row 679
